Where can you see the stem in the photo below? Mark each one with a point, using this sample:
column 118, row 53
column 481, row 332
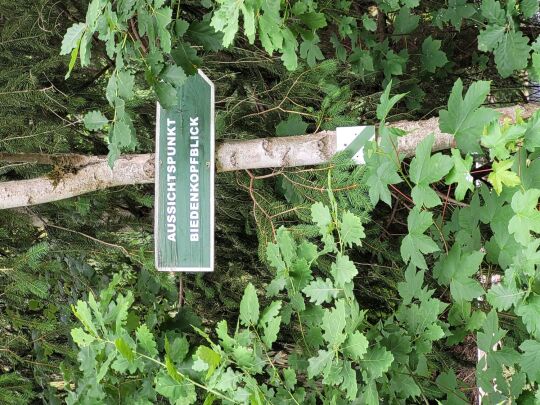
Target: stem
column 272, row 364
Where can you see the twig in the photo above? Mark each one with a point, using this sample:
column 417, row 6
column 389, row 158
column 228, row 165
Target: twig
column 121, row 248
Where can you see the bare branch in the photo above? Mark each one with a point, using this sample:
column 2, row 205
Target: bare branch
column 92, row 173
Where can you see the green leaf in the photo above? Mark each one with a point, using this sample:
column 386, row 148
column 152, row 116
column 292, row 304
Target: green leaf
column 177, row 392
column 369, row 23
column 457, row 11
column 92, row 14
column 289, row 377
column 350, row 382
column 290, row 44
column 174, row 74
column 528, row 311
column 370, row 395
column 512, row 53
column 82, row 338
column 95, row 120
column 530, row 360
column 343, row 270
column 72, row 38
column 180, row 28
column 124, row 349
column 125, row 82
column 83, row 314
column 287, row 245
column 352, row 231
column 308, row 251
column 333, row 325
column 225, row 19
column 249, row 21
column 121, row 134
column 361, row 60
column 202, row 33
column 271, row 330
column 426, row 169
column 405, row 22
column 465, row 119
column 432, row 56
column 163, row 19
column 356, row 346
column 300, row 274
column 320, row 214
column 501, row 174
column 386, row 103
column 320, row 363
column 310, row 51
column 529, row 7
column 270, row 323
column 222, row 332
column 447, row 383
column 72, row 61
column 532, row 134
column 502, row 297
column 313, row 20
column 377, row 361
column 210, row 358
column 493, row 12
column 186, row 57
column 461, row 174
column 85, row 49
column 415, row 244
column 498, row 139
column 489, row 38
column 105, row 366
column 395, row 64
column 456, row 270
column 167, row 94
column 111, row 91
column 379, row 177
column 274, row 257
column 527, row 216
column 491, row 333
column 320, row 291
column 146, row 341
column 272, row 38
column 249, row 306
column 412, row 286
column 293, row 125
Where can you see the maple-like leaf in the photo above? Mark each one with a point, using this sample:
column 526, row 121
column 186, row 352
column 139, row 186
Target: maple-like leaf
column 416, row 244
column 465, row 118
column 501, row 174
column 432, row 56
column 527, row 216
column 461, row 174
column 426, row 169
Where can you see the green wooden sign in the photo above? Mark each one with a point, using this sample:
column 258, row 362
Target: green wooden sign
column 184, row 208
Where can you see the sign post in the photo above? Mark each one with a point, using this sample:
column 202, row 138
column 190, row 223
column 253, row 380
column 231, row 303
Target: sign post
column 184, row 194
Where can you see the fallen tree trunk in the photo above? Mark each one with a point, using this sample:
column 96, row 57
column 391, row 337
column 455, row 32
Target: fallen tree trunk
column 93, row 173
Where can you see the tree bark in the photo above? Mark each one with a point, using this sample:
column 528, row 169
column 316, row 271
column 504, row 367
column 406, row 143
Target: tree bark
column 92, row 173
column 308, row 150
column 93, row 176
